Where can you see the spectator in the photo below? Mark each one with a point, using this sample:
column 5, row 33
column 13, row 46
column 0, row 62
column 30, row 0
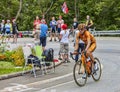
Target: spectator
column 2, row 30
column 36, row 25
column 43, row 34
column 75, row 25
column 43, row 18
column 64, row 43
column 14, row 30
column 53, row 24
column 60, row 22
column 2, row 27
column 81, row 45
column 8, row 29
column 89, row 23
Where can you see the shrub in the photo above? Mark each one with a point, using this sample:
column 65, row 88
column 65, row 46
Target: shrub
column 2, row 57
column 8, row 55
column 18, row 57
column 112, row 27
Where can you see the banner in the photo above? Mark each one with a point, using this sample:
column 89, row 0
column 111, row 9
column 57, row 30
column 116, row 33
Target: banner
column 65, row 8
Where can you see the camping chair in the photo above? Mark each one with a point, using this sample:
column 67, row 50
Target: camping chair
column 39, row 54
column 27, row 52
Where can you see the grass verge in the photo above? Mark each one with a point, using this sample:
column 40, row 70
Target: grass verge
column 8, row 68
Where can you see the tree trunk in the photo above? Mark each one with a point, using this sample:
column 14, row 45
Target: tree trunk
column 75, row 10
column 48, row 8
column 20, row 7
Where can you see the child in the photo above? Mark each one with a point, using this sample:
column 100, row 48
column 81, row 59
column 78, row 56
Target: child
column 64, row 43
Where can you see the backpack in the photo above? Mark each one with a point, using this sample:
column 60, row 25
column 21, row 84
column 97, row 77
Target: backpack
column 49, row 55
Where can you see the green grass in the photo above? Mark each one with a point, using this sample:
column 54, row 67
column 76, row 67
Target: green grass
column 8, row 68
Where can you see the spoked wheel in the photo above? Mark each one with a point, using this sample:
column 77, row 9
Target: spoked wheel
column 97, row 73
column 79, row 74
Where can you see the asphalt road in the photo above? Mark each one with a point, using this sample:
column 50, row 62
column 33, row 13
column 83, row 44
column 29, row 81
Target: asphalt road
column 108, row 51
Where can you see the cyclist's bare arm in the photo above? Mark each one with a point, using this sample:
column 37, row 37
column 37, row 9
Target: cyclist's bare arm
column 88, row 42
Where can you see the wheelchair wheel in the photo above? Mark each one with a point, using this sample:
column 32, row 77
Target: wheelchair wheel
column 79, row 74
column 97, row 73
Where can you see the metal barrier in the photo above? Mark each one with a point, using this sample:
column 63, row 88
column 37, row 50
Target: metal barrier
column 106, row 33
column 29, row 33
column 25, row 33
column 93, row 31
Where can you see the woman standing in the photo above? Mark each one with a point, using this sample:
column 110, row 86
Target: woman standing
column 8, row 29
column 15, row 30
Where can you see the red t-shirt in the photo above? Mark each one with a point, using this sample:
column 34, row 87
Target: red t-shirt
column 36, row 22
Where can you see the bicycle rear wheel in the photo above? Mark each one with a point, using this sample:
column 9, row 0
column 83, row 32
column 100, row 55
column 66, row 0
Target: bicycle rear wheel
column 79, row 74
column 97, row 74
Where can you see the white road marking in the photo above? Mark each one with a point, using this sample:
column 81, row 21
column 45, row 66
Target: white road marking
column 16, row 88
column 53, row 87
column 21, row 88
column 50, row 80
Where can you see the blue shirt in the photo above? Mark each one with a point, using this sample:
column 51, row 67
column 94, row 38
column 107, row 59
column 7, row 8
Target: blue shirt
column 44, row 29
column 53, row 24
column 7, row 27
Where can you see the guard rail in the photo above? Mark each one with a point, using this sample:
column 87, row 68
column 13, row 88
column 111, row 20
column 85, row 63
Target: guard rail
column 106, row 33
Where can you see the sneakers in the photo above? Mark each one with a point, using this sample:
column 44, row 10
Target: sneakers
column 84, row 76
column 60, row 58
column 50, row 40
column 68, row 61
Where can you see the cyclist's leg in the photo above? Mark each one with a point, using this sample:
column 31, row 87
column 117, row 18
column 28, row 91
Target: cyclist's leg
column 77, row 56
column 89, row 53
column 90, row 50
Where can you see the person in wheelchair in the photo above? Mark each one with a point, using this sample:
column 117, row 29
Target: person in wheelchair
column 89, row 40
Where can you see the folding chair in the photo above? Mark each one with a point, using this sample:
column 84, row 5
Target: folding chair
column 27, row 52
column 39, row 54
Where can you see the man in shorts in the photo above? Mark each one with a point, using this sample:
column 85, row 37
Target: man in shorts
column 53, row 24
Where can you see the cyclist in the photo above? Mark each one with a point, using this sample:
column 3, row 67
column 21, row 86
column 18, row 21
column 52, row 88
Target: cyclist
column 89, row 40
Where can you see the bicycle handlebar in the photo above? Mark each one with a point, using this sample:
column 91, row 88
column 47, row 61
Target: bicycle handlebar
column 71, row 55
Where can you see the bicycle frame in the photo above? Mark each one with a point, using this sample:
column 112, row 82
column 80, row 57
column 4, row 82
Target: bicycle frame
column 83, row 60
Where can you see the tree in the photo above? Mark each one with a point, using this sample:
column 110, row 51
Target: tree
column 104, row 13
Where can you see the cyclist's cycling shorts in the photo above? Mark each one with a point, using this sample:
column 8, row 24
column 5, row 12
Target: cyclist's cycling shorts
column 92, row 47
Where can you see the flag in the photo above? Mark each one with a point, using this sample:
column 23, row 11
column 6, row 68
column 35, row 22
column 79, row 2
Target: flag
column 65, row 8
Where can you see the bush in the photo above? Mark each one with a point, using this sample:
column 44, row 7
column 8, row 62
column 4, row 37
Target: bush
column 18, row 57
column 2, row 57
column 112, row 27
column 8, row 67
column 8, row 55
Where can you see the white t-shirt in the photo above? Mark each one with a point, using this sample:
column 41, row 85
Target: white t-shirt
column 65, row 36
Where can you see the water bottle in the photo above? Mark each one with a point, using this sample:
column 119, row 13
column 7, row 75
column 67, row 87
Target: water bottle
column 88, row 65
column 88, row 59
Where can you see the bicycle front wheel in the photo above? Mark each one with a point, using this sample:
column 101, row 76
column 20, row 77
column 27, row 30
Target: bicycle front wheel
column 79, row 74
column 97, row 74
